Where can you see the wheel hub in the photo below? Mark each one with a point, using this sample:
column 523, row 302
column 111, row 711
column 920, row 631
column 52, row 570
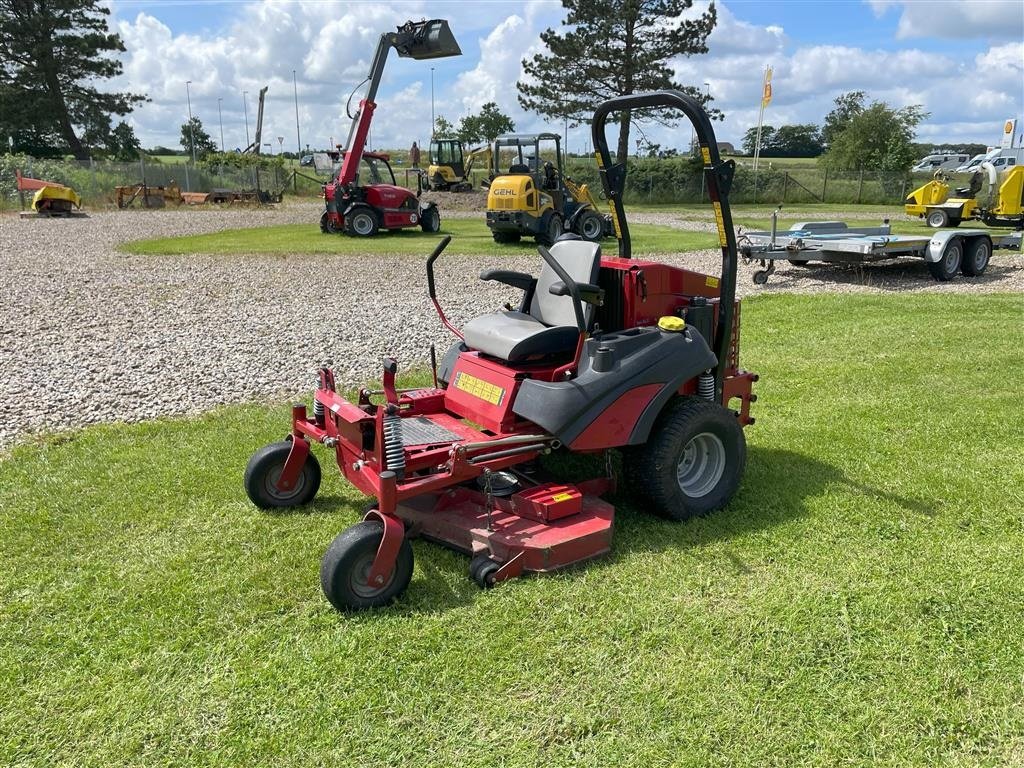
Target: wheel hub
column 271, row 484
column 701, row 465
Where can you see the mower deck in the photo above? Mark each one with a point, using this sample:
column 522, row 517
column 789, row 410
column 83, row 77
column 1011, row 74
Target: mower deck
column 519, row 543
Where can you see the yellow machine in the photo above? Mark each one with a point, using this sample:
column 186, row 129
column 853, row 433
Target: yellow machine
column 935, row 192
column 450, row 169
column 50, row 198
column 1005, row 208
column 532, row 197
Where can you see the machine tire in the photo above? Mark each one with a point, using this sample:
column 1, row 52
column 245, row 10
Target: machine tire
column 430, row 221
column 761, row 277
column 946, row 268
column 937, row 219
column 590, row 226
column 482, row 570
column 347, row 561
column 693, row 460
column 976, row 257
column 361, row 221
column 506, row 237
column 799, row 262
column 265, row 467
column 552, row 230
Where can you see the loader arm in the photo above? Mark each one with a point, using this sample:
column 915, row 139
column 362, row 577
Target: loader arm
column 431, row 39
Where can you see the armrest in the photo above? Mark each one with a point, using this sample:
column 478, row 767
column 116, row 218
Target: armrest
column 519, row 280
column 589, row 292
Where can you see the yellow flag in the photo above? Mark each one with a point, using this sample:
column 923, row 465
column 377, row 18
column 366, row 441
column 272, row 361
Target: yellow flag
column 766, row 96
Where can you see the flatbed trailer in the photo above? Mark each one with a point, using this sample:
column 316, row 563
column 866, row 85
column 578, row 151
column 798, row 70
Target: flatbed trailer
column 947, row 252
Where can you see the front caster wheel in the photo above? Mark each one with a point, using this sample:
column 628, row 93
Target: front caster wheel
column 482, row 570
column 264, row 470
column 345, row 569
column 761, row 277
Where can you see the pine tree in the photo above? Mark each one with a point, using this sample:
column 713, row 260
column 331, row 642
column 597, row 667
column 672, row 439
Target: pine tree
column 52, row 53
column 612, row 48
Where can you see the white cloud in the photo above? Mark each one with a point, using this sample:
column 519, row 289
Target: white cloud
column 986, row 19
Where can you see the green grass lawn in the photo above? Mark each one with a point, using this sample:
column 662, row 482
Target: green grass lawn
column 859, row 603
column 469, row 237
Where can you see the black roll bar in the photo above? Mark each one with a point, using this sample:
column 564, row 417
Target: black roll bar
column 718, row 178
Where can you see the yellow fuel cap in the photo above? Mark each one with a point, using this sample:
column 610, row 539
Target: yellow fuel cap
column 671, row 323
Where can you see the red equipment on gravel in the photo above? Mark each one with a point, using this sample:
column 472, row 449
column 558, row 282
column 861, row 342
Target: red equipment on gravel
column 363, row 209
column 602, row 354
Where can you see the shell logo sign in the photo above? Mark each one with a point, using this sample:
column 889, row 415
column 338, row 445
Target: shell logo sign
column 1009, row 133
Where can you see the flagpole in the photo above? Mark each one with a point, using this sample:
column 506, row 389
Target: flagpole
column 757, row 143
column 766, row 96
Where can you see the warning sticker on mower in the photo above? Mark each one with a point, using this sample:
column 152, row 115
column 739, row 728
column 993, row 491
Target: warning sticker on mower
column 721, row 224
column 563, row 496
column 489, row 393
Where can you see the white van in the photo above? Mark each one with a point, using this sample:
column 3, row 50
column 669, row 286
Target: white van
column 973, row 164
column 940, row 162
column 1001, row 159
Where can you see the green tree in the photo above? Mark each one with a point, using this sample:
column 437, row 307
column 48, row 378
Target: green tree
column 443, row 129
column 847, row 106
column 803, row 140
column 878, row 138
column 205, row 144
column 122, row 142
column 750, row 140
column 486, row 126
column 613, row 48
column 52, row 57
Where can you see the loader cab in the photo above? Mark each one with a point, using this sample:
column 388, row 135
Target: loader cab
column 447, row 153
column 375, row 169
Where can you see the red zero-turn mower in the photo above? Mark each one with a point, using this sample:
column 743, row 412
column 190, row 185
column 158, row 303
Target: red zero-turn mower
column 362, row 209
column 602, row 353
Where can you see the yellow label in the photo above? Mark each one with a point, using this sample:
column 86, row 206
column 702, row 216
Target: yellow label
column 489, row 393
column 563, row 496
column 706, row 154
column 599, row 163
column 615, row 220
column 711, row 282
column 721, row 225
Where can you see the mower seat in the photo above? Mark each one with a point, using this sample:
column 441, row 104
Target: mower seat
column 549, row 328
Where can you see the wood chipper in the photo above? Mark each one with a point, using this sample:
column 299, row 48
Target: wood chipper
column 602, row 354
column 49, row 198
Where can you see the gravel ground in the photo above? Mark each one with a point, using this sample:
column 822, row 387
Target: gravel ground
column 89, row 334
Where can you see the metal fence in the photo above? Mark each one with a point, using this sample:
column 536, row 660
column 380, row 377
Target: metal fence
column 96, row 180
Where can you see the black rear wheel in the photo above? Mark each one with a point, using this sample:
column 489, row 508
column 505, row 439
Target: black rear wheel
column 937, row 219
column 264, row 470
column 430, row 221
column 590, row 226
column 345, row 569
column 693, row 460
column 506, row 237
column 552, row 230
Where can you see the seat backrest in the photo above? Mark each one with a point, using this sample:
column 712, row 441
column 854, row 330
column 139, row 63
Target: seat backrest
column 582, row 260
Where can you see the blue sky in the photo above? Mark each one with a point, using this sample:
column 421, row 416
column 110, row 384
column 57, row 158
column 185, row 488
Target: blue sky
column 964, row 61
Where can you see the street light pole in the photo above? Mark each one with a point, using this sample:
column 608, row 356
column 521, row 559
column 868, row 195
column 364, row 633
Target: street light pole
column 191, row 131
column 433, row 122
column 245, row 107
column 298, row 136
column 220, row 115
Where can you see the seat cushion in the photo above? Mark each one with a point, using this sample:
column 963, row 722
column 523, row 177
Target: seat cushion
column 515, row 336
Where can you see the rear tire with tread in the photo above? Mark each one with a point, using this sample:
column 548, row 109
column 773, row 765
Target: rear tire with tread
column 506, row 237
column 947, row 267
column 937, row 219
column 361, row 222
column 590, row 226
column 430, row 221
column 693, row 460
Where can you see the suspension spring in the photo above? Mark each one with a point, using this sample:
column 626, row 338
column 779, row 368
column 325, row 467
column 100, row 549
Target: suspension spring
column 706, row 385
column 318, row 411
column 394, row 449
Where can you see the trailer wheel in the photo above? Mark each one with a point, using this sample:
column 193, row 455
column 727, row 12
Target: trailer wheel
column 507, row 237
column 761, row 277
column 799, row 262
column 345, row 569
column 430, row 221
column 361, row 222
column 263, row 471
column 937, row 218
column 975, row 261
column 590, row 226
column 693, row 461
column 946, row 267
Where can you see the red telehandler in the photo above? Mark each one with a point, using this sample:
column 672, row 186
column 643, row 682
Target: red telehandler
column 364, row 209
